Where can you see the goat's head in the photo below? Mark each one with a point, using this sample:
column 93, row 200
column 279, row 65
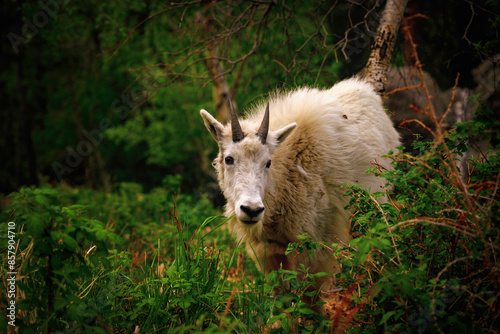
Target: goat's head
column 244, row 161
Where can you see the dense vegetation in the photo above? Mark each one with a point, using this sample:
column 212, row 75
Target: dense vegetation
column 131, row 241
column 425, row 262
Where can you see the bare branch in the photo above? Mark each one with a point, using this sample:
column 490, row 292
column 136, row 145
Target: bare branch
column 380, row 57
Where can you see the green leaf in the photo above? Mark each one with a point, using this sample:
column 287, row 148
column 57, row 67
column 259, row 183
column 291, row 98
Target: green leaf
column 278, row 317
column 70, row 243
column 36, row 226
column 406, row 287
column 101, row 234
column 60, row 303
column 386, row 317
column 43, row 201
column 69, row 212
column 307, row 310
column 55, row 236
column 364, row 246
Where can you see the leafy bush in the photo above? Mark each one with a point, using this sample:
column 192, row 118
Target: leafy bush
column 70, row 257
column 57, row 249
column 426, row 261
column 130, row 260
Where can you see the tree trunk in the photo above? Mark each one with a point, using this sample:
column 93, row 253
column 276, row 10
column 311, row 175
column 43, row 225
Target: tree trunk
column 378, row 64
column 87, row 162
column 221, row 92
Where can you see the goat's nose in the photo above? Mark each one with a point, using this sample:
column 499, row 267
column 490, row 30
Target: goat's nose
column 251, row 213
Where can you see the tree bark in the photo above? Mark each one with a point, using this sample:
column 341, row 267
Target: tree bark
column 378, row 64
column 221, row 92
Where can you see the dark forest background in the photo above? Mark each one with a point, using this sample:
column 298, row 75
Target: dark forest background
column 97, row 93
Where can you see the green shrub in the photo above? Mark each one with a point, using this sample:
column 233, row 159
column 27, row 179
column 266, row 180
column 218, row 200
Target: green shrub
column 427, row 260
column 89, row 266
column 58, row 247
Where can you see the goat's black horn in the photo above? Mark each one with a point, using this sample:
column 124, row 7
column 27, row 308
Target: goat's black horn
column 264, row 126
column 235, row 124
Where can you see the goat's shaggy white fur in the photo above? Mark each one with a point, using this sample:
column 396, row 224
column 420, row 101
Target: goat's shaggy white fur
column 339, row 132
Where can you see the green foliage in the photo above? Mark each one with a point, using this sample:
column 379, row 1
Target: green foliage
column 427, row 260
column 306, row 244
column 149, row 265
column 59, row 246
column 138, row 66
column 167, row 132
column 293, row 287
column 182, row 294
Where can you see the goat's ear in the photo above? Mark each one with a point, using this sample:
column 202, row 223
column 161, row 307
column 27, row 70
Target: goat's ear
column 212, row 125
column 282, row 133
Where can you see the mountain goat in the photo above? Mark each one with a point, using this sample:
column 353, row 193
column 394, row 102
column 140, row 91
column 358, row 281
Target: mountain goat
column 282, row 167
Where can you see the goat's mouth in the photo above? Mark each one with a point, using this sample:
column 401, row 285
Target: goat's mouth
column 249, row 221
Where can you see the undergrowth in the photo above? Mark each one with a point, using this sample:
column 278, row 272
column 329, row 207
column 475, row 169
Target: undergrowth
column 426, row 261
column 134, row 262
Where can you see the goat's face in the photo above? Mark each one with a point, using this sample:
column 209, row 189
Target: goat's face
column 245, row 167
column 244, row 161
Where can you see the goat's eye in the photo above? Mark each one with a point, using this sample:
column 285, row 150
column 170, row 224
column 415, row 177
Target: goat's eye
column 229, row 160
column 268, row 164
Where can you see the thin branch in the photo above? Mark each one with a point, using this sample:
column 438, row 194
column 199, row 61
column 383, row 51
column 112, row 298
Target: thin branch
column 431, row 221
column 118, row 47
column 451, row 101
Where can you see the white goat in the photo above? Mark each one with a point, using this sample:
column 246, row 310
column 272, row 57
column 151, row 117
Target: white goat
column 282, row 174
